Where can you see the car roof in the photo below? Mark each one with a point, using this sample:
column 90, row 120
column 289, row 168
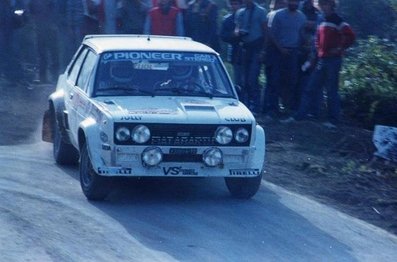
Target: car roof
column 103, row 43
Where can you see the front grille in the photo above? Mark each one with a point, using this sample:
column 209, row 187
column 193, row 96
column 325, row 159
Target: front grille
column 182, row 158
column 182, row 134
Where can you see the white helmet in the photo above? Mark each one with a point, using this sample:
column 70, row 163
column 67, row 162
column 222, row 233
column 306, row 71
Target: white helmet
column 181, row 72
column 122, row 71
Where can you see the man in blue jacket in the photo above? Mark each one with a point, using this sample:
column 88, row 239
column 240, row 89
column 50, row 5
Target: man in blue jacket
column 228, row 35
column 251, row 28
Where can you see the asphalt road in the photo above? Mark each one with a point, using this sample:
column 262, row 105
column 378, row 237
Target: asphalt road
column 45, row 217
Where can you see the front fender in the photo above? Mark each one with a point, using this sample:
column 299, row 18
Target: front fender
column 258, row 161
column 89, row 134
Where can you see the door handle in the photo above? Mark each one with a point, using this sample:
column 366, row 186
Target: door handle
column 71, row 95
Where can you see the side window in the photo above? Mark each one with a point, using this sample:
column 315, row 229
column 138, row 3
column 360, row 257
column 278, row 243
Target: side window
column 85, row 72
column 74, row 72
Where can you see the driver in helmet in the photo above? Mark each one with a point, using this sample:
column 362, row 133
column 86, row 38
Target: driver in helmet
column 122, row 72
column 118, row 74
column 183, row 76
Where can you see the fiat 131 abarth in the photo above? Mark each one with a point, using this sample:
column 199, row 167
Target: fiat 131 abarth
column 152, row 106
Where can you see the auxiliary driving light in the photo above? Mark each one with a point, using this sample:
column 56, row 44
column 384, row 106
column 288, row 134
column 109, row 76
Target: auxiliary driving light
column 223, row 135
column 152, row 156
column 213, row 157
column 140, row 134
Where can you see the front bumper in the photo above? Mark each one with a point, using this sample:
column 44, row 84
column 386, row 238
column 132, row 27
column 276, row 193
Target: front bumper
column 127, row 161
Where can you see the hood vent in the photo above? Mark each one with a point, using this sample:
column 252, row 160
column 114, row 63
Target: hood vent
column 199, row 108
column 109, row 102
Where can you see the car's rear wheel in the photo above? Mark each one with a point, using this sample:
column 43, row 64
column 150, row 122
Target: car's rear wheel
column 64, row 153
column 94, row 186
column 243, row 187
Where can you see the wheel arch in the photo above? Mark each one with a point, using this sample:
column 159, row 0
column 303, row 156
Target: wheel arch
column 81, row 138
column 88, row 134
column 57, row 103
column 55, row 110
column 260, row 146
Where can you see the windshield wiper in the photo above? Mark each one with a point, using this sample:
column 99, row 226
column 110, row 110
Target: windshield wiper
column 204, row 93
column 127, row 89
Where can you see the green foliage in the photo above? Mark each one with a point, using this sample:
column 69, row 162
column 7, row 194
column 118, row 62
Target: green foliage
column 369, row 82
column 370, row 17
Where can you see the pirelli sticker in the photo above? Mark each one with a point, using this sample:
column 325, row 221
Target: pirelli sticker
column 244, row 172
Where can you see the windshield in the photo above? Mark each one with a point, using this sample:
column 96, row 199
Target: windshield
column 126, row 73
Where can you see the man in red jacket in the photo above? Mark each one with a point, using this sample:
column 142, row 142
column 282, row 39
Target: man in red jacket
column 164, row 19
column 333, row 37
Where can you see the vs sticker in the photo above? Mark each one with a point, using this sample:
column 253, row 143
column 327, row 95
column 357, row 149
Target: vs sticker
column 177, row 170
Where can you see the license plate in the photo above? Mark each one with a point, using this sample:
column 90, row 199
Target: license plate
column 183, row 151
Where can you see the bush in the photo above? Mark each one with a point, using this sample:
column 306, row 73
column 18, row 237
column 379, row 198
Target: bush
column 369, row 17
column 369, row 82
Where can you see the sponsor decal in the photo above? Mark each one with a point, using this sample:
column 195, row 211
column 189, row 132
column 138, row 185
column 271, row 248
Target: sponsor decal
column 106, row 147
column 79, row 102
column 157, row 56
column 194, row 102
column 244, row 172
column 182, row 141
column 200, row 58
column 151, row 66
column 131, row 118
column 235, row 119
column 183, row 151
column 118, row 171
column 107, row 56
column 95, row 113
column 154, row 111
column 177, row 170
column 142, row 56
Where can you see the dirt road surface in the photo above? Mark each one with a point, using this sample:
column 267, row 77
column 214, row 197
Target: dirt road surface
column 45, row 217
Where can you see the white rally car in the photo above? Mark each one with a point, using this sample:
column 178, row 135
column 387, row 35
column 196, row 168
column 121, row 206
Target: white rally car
column 151, row 106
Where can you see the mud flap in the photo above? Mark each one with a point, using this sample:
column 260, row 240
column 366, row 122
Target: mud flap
column 46, row 133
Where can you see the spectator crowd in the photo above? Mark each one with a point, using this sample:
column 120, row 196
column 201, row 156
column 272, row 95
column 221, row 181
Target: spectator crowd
column 298, row 43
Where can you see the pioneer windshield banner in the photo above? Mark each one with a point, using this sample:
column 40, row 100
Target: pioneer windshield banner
column 137, row 57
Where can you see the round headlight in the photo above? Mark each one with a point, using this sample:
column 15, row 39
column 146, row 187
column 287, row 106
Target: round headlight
column 223, row 135
column 241, row 135
column 213, row 157
column 123, row 134
column 140, row 134
column 152, row 156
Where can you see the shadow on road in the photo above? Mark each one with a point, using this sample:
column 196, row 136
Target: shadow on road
column 197, row 220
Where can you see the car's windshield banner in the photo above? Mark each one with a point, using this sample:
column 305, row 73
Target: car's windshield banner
column 158, row 56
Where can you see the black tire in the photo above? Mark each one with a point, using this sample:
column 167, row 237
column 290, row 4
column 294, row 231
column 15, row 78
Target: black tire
column 243, row 187
column 94, row 186
column 64, row 153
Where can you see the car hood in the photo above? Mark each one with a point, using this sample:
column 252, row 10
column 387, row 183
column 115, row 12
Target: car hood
column 175, row 110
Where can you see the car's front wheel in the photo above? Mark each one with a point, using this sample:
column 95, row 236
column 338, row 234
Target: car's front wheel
column 94, row 186
column 243, row 187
